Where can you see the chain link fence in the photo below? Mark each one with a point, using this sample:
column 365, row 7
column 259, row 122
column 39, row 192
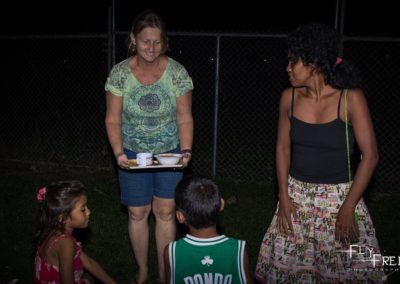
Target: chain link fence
column 54, row 101
column 377, row 60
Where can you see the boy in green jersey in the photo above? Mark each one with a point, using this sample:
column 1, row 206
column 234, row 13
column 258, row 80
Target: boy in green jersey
column 203, row 255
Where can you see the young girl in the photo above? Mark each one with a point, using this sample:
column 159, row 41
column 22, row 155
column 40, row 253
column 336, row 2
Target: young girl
column 59, row 257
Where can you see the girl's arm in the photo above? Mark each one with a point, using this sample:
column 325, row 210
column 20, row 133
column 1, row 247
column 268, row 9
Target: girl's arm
column 360, row 119
column 95, row 269
column 185, row 123
column 65, row 249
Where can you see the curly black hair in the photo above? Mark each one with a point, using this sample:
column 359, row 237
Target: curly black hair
column 317, row 44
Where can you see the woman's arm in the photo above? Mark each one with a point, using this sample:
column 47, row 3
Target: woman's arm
column 361, row 122
column 185, row 124
column 283, row 144
column 283, row 148
column 360, row 119
column 113, row 127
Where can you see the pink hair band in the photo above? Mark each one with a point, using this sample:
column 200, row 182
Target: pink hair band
column 40, row 194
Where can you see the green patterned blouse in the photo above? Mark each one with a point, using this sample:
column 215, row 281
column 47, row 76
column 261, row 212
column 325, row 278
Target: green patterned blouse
column 149, row 111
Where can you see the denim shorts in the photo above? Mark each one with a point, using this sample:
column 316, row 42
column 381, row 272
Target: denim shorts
column 139, row 186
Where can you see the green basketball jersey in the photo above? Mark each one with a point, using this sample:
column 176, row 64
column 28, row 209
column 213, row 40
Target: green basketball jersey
column 217, row 260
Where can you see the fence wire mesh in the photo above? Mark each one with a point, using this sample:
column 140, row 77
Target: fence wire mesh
column 54, row 101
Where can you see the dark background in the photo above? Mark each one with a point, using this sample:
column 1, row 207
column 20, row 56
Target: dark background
column 362, row 18
column 54, row 85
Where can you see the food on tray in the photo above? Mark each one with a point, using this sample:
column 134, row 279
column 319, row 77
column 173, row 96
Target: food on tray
column 168, row 158
column 132, row 163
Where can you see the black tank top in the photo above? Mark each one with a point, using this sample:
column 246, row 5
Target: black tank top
column 319, row 151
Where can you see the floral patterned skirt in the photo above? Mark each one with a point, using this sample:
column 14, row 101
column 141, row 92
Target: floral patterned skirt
column 311, row 254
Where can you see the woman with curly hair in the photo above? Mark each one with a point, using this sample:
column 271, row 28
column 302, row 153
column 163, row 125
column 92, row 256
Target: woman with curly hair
column 321, row 231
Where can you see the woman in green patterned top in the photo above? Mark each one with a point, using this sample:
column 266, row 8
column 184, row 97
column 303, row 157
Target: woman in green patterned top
column 149, row 102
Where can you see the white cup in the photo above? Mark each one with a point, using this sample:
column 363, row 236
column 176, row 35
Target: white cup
column 144, row 159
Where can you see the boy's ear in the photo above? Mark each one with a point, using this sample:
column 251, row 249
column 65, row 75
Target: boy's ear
column 180, row 217
column 222, row 204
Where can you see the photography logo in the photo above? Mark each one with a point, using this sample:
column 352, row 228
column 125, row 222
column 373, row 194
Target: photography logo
column 368, row 259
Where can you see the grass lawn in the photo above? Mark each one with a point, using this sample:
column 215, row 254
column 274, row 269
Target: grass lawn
column 248, row 212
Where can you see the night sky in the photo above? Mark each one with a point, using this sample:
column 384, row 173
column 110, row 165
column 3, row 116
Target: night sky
column 362, row 18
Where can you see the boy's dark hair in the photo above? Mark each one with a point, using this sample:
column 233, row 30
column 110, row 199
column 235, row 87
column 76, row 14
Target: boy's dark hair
column 318, row 44
column 56, row 205
column 199, row 200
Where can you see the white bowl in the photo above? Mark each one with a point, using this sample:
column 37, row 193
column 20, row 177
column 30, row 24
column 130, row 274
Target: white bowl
column 168, row 158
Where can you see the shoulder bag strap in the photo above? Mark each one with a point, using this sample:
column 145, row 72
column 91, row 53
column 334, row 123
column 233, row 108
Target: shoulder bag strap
column 347, row 133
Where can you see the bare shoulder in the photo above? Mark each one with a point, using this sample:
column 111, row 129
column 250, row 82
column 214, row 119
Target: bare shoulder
column 356, row 99
column 355, row 95
column 287, row 93
column 65, row 243
column 286, row 96
column 285, row 101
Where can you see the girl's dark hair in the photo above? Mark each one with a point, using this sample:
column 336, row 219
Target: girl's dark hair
column 199, row 200
column 318, row 44
column 55, row 206
column 145, row 19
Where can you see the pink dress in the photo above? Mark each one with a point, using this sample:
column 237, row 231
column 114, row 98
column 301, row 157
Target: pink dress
column 48, row 273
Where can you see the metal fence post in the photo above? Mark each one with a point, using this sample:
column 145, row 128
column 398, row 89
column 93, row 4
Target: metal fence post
column 215, row 140
column 111, row 36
